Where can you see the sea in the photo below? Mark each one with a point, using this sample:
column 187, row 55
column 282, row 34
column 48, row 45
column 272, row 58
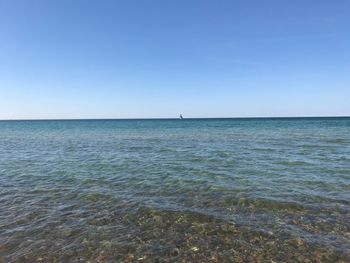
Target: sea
column 171, row 190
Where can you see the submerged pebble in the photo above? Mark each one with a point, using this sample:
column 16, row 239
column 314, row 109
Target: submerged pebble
column 175, row 252
column 194, row 249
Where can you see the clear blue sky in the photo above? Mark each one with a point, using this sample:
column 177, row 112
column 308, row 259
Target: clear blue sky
column 159, row 58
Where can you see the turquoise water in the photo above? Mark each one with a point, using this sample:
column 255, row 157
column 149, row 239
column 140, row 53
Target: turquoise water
column 216, row 190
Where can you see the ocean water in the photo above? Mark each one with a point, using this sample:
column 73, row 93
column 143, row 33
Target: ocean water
column 201, row 190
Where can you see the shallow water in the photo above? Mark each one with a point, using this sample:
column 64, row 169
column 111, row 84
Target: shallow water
column 219, row 190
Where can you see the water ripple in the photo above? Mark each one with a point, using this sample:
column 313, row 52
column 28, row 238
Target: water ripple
column 172, row 191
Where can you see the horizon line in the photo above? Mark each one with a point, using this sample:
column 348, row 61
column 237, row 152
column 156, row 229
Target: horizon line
column 176, row 118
